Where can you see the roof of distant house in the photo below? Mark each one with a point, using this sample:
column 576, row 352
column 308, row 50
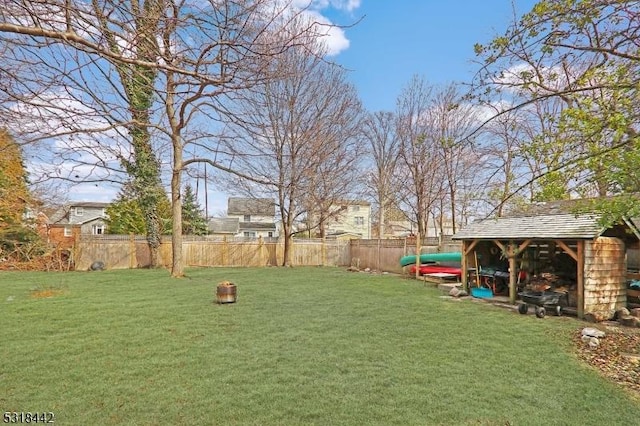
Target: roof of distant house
column 395, row 215
column 61, row 216
column 352, row 202
column 251, row 206
column 93, row 204
column 257, row 226
column 224, row 225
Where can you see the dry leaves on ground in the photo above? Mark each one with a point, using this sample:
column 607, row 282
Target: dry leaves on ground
column 617, row 357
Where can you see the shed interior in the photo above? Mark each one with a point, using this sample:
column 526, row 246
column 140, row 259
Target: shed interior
column 541, row 265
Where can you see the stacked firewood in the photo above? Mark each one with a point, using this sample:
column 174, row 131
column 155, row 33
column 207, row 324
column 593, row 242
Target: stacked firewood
column 543, row 282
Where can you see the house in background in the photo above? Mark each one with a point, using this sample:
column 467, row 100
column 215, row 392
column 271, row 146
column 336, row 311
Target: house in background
column 351, row 218
column 76, row 218
column 256, row 216
column 396, row 224
column 223, row 226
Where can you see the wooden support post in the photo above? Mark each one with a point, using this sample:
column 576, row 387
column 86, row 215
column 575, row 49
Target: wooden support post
column 513, row 274
column 512, row 250
column 464, row 264
column 580, row 279
column 418, row 250
column 470, row 247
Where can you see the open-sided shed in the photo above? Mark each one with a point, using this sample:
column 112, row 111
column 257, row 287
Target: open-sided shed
column 589, row 257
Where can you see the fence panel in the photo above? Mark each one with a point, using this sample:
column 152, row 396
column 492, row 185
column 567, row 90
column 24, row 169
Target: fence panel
column 384, row 255
column 124, row 251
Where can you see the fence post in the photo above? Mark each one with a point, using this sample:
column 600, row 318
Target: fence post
column 76, row 249
column 378, row 265
column 225, row 251
column 323, row 252
column 261, row 261
column 132, row 251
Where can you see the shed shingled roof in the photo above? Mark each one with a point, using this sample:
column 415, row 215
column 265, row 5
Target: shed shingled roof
column 544, row 226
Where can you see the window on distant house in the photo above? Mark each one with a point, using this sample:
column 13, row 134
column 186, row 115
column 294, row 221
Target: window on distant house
column 67, row 231
column 355, row 208
column 247, row 218
column 97, row 229
column 249, row 234
column 79, row 211
column 270, row 234
column 358, row 220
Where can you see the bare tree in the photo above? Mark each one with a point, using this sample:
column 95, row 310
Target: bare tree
column 126, row 86
column 420, row 178
column 380, row 133
column 92, row 90
column 450, row 120
column 297, row 136
column 583, row 54
column 336, row 179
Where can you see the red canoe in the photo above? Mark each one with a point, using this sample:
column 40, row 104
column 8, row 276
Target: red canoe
column 435, row 269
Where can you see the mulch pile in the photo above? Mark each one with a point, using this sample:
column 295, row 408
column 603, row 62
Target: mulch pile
column 617, row 357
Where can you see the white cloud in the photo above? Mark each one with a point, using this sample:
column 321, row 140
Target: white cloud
column 333, row 38
column 524, row 78
column 346, row 5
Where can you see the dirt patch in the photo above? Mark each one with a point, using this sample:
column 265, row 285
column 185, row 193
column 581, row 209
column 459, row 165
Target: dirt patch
column 617, row 357
column 46, row 293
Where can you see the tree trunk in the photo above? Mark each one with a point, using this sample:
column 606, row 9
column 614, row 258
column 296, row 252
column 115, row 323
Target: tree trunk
column 288, row 242
column 153, row 235
column 177, row 262
column 146, row 183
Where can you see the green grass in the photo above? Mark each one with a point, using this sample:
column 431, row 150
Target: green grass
column 301, row 346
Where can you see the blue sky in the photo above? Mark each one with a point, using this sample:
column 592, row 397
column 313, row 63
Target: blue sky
column 432, row 38
column 397, row 39
column 394, row 40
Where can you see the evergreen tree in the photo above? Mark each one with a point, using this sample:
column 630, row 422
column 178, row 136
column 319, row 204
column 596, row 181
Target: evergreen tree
column 125, row 215
column 193, row 220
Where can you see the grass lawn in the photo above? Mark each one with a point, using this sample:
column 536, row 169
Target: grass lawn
column 301, row 346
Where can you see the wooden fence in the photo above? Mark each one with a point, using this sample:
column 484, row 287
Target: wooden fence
column 124, row 251
column 384, row 255
column 128, row 251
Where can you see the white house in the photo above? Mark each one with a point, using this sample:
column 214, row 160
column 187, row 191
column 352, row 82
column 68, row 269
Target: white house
column 256, row 216
column 349, row 217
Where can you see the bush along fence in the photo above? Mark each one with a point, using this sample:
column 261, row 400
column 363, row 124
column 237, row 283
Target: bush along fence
column 132, row 251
